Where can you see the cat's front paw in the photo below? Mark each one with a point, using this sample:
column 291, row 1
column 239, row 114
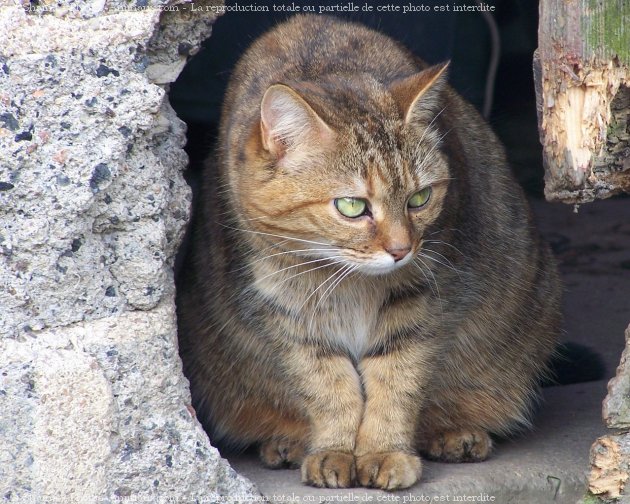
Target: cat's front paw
column 331, row 469
column 470, row 445
column 389, row 471
column 279, row 453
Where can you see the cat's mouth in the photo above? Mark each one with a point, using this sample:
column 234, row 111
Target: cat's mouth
column 381, row 263
column 369, row 263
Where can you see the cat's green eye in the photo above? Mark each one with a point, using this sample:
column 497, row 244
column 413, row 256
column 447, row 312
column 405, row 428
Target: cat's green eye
column 420, row 198
column 351, row 207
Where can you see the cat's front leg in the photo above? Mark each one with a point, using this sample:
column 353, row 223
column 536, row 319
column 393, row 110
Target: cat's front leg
column 329, row 389
column 385, row 446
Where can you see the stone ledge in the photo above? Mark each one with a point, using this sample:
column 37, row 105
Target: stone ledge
column 547, row 465
column 93, row 206
column 82, row 412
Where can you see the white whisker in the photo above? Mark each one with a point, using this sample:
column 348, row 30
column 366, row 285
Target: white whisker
column 437, row 288
column 330, row 277
column 435, row 146
column 296, row 252
column 274, row 235
column 444, row 230
column 440, row 242
column 298, row 265
column 449, row 265
column 436, row 294
column 346, row 271
column 431, row 124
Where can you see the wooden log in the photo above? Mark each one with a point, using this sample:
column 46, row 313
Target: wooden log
column 582, row 73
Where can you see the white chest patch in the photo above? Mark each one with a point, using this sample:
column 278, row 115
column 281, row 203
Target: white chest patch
column 344, row 318
column 348, row 321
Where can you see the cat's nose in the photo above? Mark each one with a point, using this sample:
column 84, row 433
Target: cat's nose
column 399, row 253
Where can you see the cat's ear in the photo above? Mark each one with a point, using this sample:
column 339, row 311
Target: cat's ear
column 288, row 122
column 418, row 96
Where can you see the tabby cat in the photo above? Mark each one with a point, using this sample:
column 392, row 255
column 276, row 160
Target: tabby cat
column 365, row 283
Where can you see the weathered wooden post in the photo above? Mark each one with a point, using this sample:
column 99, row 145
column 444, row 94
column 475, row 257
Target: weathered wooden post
column 582, row 73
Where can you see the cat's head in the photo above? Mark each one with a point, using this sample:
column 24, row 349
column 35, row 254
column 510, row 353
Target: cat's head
column 349, row 170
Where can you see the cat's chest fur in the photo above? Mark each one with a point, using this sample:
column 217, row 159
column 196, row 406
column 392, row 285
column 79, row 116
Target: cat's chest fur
column 347, row 319
column 342, row 316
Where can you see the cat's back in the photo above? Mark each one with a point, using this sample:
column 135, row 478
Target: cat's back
column 310, row 48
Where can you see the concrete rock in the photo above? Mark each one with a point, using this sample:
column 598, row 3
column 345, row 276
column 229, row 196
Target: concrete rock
column 92, row 209
column 616, row 408
column 610, row 466
column 101, row 409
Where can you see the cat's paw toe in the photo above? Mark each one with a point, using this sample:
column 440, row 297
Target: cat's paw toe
column 329, row 469
column 282, row 453
column 388, row 471
column 459, row 446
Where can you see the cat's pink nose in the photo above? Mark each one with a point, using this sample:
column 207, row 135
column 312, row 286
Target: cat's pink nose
column 399, row 253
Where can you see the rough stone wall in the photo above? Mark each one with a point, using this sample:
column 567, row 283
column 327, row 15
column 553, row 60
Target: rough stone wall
column 93, row 402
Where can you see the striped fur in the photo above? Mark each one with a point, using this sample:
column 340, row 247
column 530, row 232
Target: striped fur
column 298, row 329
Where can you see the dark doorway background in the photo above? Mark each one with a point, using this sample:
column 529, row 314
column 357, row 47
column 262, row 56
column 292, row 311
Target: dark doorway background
column 462, row 37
